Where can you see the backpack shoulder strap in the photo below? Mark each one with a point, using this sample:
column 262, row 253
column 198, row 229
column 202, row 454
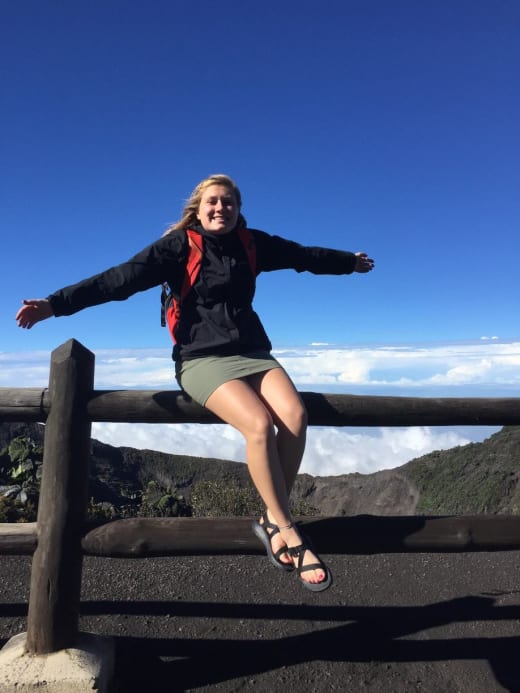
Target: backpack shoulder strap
column 193, row 262
column 170, row 299
column 248, row 241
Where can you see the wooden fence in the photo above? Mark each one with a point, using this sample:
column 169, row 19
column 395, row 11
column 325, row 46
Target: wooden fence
column 60, row 537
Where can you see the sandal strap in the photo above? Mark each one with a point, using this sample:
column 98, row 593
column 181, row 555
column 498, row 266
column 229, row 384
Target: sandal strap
column 295, row 551
column 281, row 552
column 311, row 566
column 299, row 553
column 265, row 524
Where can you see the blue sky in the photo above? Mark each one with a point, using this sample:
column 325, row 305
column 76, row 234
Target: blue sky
column 388, row 127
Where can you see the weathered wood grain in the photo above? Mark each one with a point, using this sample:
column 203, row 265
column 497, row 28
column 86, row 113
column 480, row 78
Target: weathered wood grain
column 365, row 534
column 52, row 622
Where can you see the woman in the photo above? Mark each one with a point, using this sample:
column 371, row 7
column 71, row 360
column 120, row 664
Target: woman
column 222, row 353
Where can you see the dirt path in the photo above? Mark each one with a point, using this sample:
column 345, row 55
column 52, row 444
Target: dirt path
column 435, row 623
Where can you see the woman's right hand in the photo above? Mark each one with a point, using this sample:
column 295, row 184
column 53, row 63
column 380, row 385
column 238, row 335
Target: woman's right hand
column 32, row 311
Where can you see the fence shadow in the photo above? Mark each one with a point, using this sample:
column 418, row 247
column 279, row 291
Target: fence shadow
column 347, row 634
column 355, row 635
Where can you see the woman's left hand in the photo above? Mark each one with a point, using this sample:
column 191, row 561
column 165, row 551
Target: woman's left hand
column 363, row 263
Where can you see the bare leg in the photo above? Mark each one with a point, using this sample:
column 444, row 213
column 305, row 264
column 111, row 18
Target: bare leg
column 237, row 403
column 285, row 405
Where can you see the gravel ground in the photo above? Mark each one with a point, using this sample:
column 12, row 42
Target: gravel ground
column 433, row 623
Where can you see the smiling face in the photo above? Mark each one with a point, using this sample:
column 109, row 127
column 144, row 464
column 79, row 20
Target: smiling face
column 218, row 209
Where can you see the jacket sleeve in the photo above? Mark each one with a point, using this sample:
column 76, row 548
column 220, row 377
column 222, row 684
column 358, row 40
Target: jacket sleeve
column 161, row 261
column 275, row 253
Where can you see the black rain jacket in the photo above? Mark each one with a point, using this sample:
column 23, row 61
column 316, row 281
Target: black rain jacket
column 217, row 316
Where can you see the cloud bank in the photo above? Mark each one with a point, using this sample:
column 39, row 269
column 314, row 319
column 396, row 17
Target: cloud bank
column 329, row 452
column 487, row 367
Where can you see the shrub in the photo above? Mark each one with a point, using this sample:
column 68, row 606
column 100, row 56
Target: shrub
column 224, row 499
column 157, row 502
column 12, row 510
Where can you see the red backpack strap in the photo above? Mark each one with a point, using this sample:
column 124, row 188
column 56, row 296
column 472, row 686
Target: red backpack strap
column 248, row 241
column 172, row 303
column 193, row 262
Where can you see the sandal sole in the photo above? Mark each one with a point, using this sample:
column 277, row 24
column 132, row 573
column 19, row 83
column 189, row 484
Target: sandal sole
column 260, row 532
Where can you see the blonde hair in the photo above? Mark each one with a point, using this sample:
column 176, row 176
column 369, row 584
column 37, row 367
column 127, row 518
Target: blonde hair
column 189, row 213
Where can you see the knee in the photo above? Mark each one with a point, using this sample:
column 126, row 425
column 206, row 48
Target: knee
column 300, row 419
column 260, row 428
column 295, row 420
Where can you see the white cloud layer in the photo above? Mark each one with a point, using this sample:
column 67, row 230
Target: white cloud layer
column 488, row 367
column 329, row 452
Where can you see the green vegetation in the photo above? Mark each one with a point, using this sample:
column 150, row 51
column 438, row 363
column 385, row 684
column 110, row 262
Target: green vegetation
column 20, row 473
column 224, row 499
column 20, row 462
column 476, row 478
column 132, row 483
column 157, row 502
column 12, row 510
column 217, row 498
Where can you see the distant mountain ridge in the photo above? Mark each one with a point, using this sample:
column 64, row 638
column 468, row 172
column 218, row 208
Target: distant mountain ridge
column 475, row 478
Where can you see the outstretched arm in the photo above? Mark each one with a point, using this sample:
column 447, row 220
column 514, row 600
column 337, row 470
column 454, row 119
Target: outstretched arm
column 363, row 263
column 276, row 253
column 32, row 311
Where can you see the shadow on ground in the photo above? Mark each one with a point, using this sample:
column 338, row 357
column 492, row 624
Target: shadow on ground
column 355, row 634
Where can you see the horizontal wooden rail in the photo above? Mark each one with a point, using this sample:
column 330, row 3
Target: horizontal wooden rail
column 360, row 534
column 18, row 539
column 24, row 404
column 363, row 534
column 172, row 406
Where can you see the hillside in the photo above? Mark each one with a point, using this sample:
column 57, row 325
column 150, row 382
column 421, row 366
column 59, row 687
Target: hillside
column 475, row 478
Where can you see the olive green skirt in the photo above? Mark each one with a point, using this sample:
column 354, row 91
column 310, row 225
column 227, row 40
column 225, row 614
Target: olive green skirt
column 199, row 378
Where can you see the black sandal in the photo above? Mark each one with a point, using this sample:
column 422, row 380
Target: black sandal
column 265, row 537
column 299, row 552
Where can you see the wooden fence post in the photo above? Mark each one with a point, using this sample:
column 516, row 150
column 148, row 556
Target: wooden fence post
column 54, row 601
